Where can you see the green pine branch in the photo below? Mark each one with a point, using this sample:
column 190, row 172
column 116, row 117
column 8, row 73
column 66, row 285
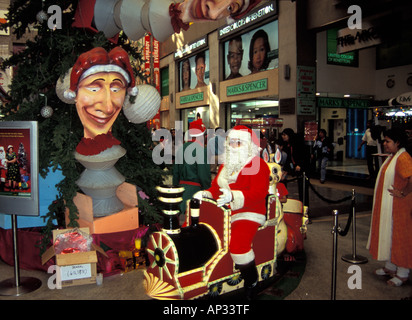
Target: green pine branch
column 49, row 55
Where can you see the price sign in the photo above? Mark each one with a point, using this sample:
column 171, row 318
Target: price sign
column 77, row 271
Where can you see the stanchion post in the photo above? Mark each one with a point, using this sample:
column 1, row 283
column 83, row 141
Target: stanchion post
column 305, row 200
column 304, row 189
column 17, row 286
column 334, row 253
column 354, row 258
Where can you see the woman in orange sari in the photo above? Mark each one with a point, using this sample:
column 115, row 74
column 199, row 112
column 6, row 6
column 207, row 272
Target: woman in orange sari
column 390, row 237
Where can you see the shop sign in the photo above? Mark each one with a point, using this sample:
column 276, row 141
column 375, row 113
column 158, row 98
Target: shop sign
column 72, row 272
column 349, row 59
column 306, row 107
column 247, row 87
column 306, row 90
column 258, row 15
column 306, row 80
column 152, row 70
column 405, row 98
column 192, row 98
column 355, row 39
column 190, row 48
column 326, row 102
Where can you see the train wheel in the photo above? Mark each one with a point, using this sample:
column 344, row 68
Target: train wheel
column 236, row 279
column 215, row 289
column 163, row 254
column 266, row 272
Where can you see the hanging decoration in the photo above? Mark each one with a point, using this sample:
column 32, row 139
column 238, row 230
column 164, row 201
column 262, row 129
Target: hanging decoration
column 46, row 112
column 42, row 16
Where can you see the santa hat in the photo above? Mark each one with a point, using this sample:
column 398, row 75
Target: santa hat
column 197, row 128
column 98, row 60
column 244, row 133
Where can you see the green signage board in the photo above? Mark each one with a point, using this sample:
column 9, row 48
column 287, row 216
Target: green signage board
column 348, row 59
column 247, row 87
column 191, row 98
column 164, row 82
column 325, row 102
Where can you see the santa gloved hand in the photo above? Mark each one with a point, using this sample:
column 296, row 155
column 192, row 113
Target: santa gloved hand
column 198, row 195
column 225, row 197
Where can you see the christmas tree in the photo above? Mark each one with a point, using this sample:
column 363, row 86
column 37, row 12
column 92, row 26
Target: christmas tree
column 47, row 57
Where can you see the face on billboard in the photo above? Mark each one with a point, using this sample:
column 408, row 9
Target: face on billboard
column 253, row 51
column 200, row 10
column 235, row 56
column 99, row 100
column 194, row 71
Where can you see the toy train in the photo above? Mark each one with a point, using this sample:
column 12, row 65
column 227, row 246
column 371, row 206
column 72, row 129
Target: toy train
column 194, row 261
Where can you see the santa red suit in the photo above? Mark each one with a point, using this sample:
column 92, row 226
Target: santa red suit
column 242, row 184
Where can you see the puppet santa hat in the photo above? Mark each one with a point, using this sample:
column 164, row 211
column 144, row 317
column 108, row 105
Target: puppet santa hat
column 98, row 60
column 244, row 133
column 197, row 128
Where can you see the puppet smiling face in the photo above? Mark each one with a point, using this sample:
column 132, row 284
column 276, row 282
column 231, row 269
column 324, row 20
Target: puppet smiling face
column 99, row 100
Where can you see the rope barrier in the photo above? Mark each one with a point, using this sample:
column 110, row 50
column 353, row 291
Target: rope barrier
column 352, row 207
column 350, row 217
column 323, row 198
column 337, row 230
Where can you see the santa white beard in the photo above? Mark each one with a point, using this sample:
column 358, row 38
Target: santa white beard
column 237, row 158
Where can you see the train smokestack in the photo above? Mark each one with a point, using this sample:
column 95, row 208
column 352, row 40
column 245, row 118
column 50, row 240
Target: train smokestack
column 194, row 212
column 171, row 198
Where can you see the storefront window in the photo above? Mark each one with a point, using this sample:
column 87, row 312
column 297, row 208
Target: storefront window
column 251, row 112
column 191, row 114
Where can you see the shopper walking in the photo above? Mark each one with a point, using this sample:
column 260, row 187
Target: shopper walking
column 390, row 238
column 295, row 164
column 371, row 148
column 323, row 151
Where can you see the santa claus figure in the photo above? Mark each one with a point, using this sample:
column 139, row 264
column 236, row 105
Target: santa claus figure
column 242, row 184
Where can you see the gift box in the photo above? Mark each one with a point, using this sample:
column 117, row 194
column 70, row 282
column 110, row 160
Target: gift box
column 134, row 258
column 75, row 255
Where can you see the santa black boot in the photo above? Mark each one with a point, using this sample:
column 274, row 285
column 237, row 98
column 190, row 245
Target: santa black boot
column 250, row 276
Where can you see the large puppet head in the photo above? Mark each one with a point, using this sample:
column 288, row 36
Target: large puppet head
column 204, row 10
column 161, row 18
column 99, row 82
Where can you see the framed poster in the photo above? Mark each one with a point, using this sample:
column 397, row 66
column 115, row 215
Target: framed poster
column 194, row 71
column 19, row 168
column 252, row 52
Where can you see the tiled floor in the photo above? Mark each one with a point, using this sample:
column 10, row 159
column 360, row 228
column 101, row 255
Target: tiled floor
column 349, row 165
